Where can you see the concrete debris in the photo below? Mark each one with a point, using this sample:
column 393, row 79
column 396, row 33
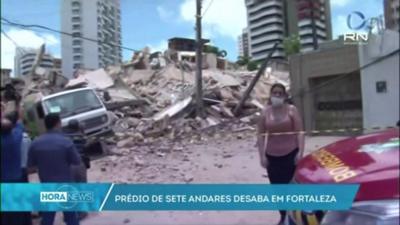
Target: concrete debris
column 173, row 109
column 152, row 98
column 126, row 143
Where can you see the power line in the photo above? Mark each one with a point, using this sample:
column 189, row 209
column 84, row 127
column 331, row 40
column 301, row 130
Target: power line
column 21, row 50
column 31, row 26
column 209, row 5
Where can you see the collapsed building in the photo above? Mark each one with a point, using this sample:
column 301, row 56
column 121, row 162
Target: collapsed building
column 153, row 95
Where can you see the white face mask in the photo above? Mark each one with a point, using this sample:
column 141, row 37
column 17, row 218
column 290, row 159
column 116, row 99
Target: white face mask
column 276, row 101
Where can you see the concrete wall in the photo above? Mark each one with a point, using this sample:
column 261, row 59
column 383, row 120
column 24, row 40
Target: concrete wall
column 331, row 62
column 380, row 109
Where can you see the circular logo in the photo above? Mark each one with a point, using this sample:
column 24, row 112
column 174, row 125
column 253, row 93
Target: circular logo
column 356, row 20
column 69, row 189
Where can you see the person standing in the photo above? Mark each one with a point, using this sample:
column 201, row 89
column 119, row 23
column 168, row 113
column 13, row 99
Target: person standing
column 79, row 172
column 280, row 142
column 75, row 132
column 11, row 169
column 53, row 154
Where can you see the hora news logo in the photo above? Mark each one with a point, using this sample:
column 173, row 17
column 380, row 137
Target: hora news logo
column 66, row 196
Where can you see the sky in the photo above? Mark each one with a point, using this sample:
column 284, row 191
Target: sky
column 152, row 22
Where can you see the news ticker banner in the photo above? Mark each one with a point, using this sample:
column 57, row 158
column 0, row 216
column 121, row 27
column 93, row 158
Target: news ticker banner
column 118, row 197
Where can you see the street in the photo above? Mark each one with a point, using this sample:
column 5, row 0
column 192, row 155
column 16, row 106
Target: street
column 227, row 160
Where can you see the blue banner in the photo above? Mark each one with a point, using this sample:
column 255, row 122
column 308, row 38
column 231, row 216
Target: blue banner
column 114, row 197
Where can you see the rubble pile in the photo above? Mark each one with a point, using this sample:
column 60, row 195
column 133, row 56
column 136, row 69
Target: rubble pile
column 153, row 96
column 168, row 103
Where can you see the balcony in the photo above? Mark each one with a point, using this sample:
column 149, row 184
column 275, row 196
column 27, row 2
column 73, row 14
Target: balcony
column 263, row 47
column 266, row 4
column 271, row 11
column 309, row 31
column 267, row 38
column 254, row 26
column 267, row 29
column 262, row 55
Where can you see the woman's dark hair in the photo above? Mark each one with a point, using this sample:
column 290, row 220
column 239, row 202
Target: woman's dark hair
column 277, row 85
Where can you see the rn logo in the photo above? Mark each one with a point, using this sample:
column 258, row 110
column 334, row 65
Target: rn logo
column 66, row 196
column 357, row 21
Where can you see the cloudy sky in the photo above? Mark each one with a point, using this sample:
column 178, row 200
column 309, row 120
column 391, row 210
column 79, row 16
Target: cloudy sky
column 152, row 22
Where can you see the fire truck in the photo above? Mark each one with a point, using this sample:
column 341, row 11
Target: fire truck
column 370, row 160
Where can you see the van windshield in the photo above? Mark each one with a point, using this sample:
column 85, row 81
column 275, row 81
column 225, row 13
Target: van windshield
column 73, row 103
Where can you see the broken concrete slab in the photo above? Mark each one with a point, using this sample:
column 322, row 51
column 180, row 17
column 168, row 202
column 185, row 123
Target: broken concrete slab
column 117, row 105
column 135, row 76
column 99, row 79
column 173, row 109
column 223, row 80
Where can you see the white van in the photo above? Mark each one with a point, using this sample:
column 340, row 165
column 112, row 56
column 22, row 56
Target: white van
column 81, row 104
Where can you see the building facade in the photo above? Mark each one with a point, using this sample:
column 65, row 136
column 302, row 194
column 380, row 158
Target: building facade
column 95, row 40
column 24, row 59
column 392, row 18
column 380, row 82
column 243, row 43
column 332, row 92
column 270, row 21
column 326, row 86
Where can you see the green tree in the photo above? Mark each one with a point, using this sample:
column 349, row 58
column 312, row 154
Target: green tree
column 291, row 45
column 243, row 60
column 252, row 65
column 215, row 50
column 222, row 54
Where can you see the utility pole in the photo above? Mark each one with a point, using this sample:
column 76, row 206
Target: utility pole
column 253, row 83
column 199, row 63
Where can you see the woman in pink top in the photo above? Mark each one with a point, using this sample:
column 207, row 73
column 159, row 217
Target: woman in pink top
column 280, row 150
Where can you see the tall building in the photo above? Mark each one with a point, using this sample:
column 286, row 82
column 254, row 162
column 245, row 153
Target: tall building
column 24, row 59
column 392, row 18
column 270, row 21
column 243, row 43
column 96, row 20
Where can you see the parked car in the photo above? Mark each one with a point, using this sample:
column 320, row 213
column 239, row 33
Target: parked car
column 371, row 160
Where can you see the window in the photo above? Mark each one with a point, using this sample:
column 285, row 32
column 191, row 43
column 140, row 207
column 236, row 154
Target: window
column 76, row 19
column 73, row 103
column 381, row 87
column 76, row 34
column 77, row 65
column 77, row 57
column 76, row 4
column 75, row 11
column 76, row 42
column 77, row 50
column 76, row 27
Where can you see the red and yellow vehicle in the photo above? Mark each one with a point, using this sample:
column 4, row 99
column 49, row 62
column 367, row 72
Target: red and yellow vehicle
column 370, row 160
